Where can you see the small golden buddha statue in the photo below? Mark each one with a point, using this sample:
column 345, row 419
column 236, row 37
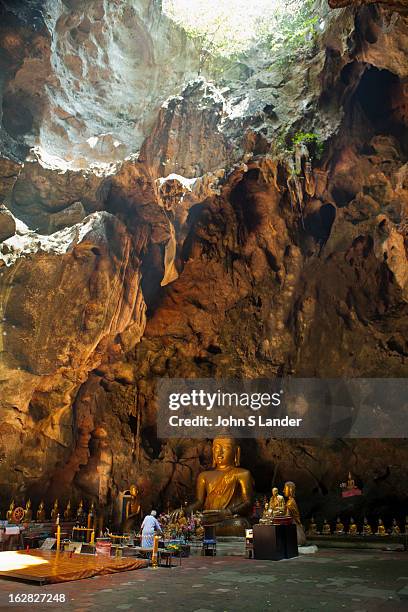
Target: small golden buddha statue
column 80, row 511
column 352, row 531
column 367, row 530
column 292, row 510
column 132, row 510
column 326, row 528
column 267, row 516
column 182, row 521
column 395, row 530
column 199, row 529
column 312, row 531
column 54, row 511
column 9, row 515
column 41, row 513
column 277, row 503
column 339, row 530
column 67, row 511
column 350, row 482
column 224, row 494
column 28, row 513
column 380, row 528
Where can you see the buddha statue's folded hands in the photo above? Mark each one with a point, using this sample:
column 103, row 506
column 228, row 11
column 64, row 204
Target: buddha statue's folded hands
column 214, row 516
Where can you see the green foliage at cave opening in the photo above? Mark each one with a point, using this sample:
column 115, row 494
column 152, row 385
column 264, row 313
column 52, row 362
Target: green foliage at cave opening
column 312, row 141
column 229, row 28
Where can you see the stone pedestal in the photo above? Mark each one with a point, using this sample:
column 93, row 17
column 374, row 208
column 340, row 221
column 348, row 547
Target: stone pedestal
column 275, row 542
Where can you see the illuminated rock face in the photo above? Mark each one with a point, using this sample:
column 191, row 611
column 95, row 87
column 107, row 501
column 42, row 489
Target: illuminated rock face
column 203, row 257
column 90, row 77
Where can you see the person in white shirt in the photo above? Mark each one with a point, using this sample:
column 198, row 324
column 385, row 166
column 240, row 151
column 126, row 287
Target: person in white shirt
column 149, row 526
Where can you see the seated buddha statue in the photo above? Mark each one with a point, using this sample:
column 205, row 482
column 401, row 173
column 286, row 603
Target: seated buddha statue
column 339, row 530
column 395, row 530
column 55, row 511
column 67, row 511
column 41, row 513
column 199, row 529
column 326, row 528
column 9, row 515
column 277, row 503
column 80, row 513
column 350, row 482
column 224, row 494
column 367, row 531
column 182, row 520
column 28, row 513
column 293, row 511
column 267, row 516
column 380, row 528
column 352, row 531
column 312, row 531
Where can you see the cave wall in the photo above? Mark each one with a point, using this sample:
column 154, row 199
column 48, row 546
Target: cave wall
column 203, row 256
column 84, row 81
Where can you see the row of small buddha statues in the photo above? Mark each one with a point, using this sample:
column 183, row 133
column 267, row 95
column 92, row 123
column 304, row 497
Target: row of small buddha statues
column 65, row 512
column 353, row 529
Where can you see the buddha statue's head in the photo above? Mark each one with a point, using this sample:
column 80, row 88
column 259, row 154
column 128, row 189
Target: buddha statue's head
column 226, row 453
column 289, row 489
column 134, row 491
column 275, row 492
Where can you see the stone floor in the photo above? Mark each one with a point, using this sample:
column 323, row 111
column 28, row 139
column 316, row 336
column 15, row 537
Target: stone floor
column 330, row 580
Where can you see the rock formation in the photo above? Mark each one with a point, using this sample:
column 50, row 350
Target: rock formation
column 219, row 249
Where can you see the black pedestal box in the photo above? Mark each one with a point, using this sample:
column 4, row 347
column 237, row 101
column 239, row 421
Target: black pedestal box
column 275, row 542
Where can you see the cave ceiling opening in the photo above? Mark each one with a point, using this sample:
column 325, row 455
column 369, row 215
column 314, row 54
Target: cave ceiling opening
column 87, row 94
column 232, row 26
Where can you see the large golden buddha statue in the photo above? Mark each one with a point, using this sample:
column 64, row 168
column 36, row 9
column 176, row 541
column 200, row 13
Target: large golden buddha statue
column 224, row 493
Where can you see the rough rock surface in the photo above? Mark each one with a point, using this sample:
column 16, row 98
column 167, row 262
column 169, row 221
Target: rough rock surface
column 85, row 81
column 46, row 200
column 208, row 255
column 392, row 4
column 7, row 224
